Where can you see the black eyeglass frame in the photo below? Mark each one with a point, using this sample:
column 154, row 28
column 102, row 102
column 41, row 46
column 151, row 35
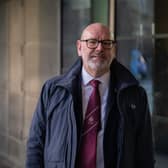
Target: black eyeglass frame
column 99, row 41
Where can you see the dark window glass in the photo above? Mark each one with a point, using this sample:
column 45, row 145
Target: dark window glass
column 135, row 44
column 75, row 16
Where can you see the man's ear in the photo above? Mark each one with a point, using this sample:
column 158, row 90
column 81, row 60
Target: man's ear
column 114, row 50
column 78, row 46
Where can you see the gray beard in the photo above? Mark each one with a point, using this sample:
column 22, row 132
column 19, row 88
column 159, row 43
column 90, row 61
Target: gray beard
column 99, row 66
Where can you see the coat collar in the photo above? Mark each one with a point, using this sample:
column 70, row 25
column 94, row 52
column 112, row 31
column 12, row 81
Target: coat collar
column 121, row 75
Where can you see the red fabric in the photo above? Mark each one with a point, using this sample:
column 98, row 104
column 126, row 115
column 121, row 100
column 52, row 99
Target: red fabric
column 87, row 158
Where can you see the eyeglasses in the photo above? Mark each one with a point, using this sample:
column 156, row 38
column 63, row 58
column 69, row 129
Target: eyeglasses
column 93, row 43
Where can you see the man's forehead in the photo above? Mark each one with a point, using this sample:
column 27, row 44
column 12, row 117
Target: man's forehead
column 95, row 33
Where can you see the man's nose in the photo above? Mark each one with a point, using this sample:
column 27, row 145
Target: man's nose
column 99, row 46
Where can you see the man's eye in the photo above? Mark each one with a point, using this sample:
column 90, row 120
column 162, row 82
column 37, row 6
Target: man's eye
column 92, row 41
column 107, row 42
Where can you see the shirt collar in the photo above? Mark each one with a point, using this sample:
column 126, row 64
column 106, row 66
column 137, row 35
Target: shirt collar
column 86, row 77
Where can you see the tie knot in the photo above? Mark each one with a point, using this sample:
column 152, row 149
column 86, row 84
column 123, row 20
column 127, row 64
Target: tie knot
column 95, row 83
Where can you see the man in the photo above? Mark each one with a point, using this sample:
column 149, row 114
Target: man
column 94, row 116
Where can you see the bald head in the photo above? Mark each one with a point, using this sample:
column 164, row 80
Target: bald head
column 96, row 28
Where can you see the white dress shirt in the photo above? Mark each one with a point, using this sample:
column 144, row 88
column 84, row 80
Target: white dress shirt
column 86, row 92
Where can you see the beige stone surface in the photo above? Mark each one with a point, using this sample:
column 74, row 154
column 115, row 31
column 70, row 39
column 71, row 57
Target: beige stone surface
column 29, row 55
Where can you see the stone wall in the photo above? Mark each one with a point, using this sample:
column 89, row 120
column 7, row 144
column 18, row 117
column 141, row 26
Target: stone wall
column 29, row 54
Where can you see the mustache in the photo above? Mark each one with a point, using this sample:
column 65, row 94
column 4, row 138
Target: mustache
column 98, row 54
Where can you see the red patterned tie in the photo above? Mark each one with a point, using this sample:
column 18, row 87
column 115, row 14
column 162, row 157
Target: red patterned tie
column 87, row 154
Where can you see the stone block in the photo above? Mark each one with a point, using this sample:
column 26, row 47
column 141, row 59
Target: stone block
column 41, row 64
column 15, row 115
column 3, row 112
column 15, row 152
column 3, row 144
column 29, row 108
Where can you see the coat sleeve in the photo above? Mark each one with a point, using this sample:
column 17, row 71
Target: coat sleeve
column 144, row 153
column 36, row 139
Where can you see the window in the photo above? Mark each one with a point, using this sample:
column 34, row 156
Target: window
column 135, row 42
column 76, row 15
